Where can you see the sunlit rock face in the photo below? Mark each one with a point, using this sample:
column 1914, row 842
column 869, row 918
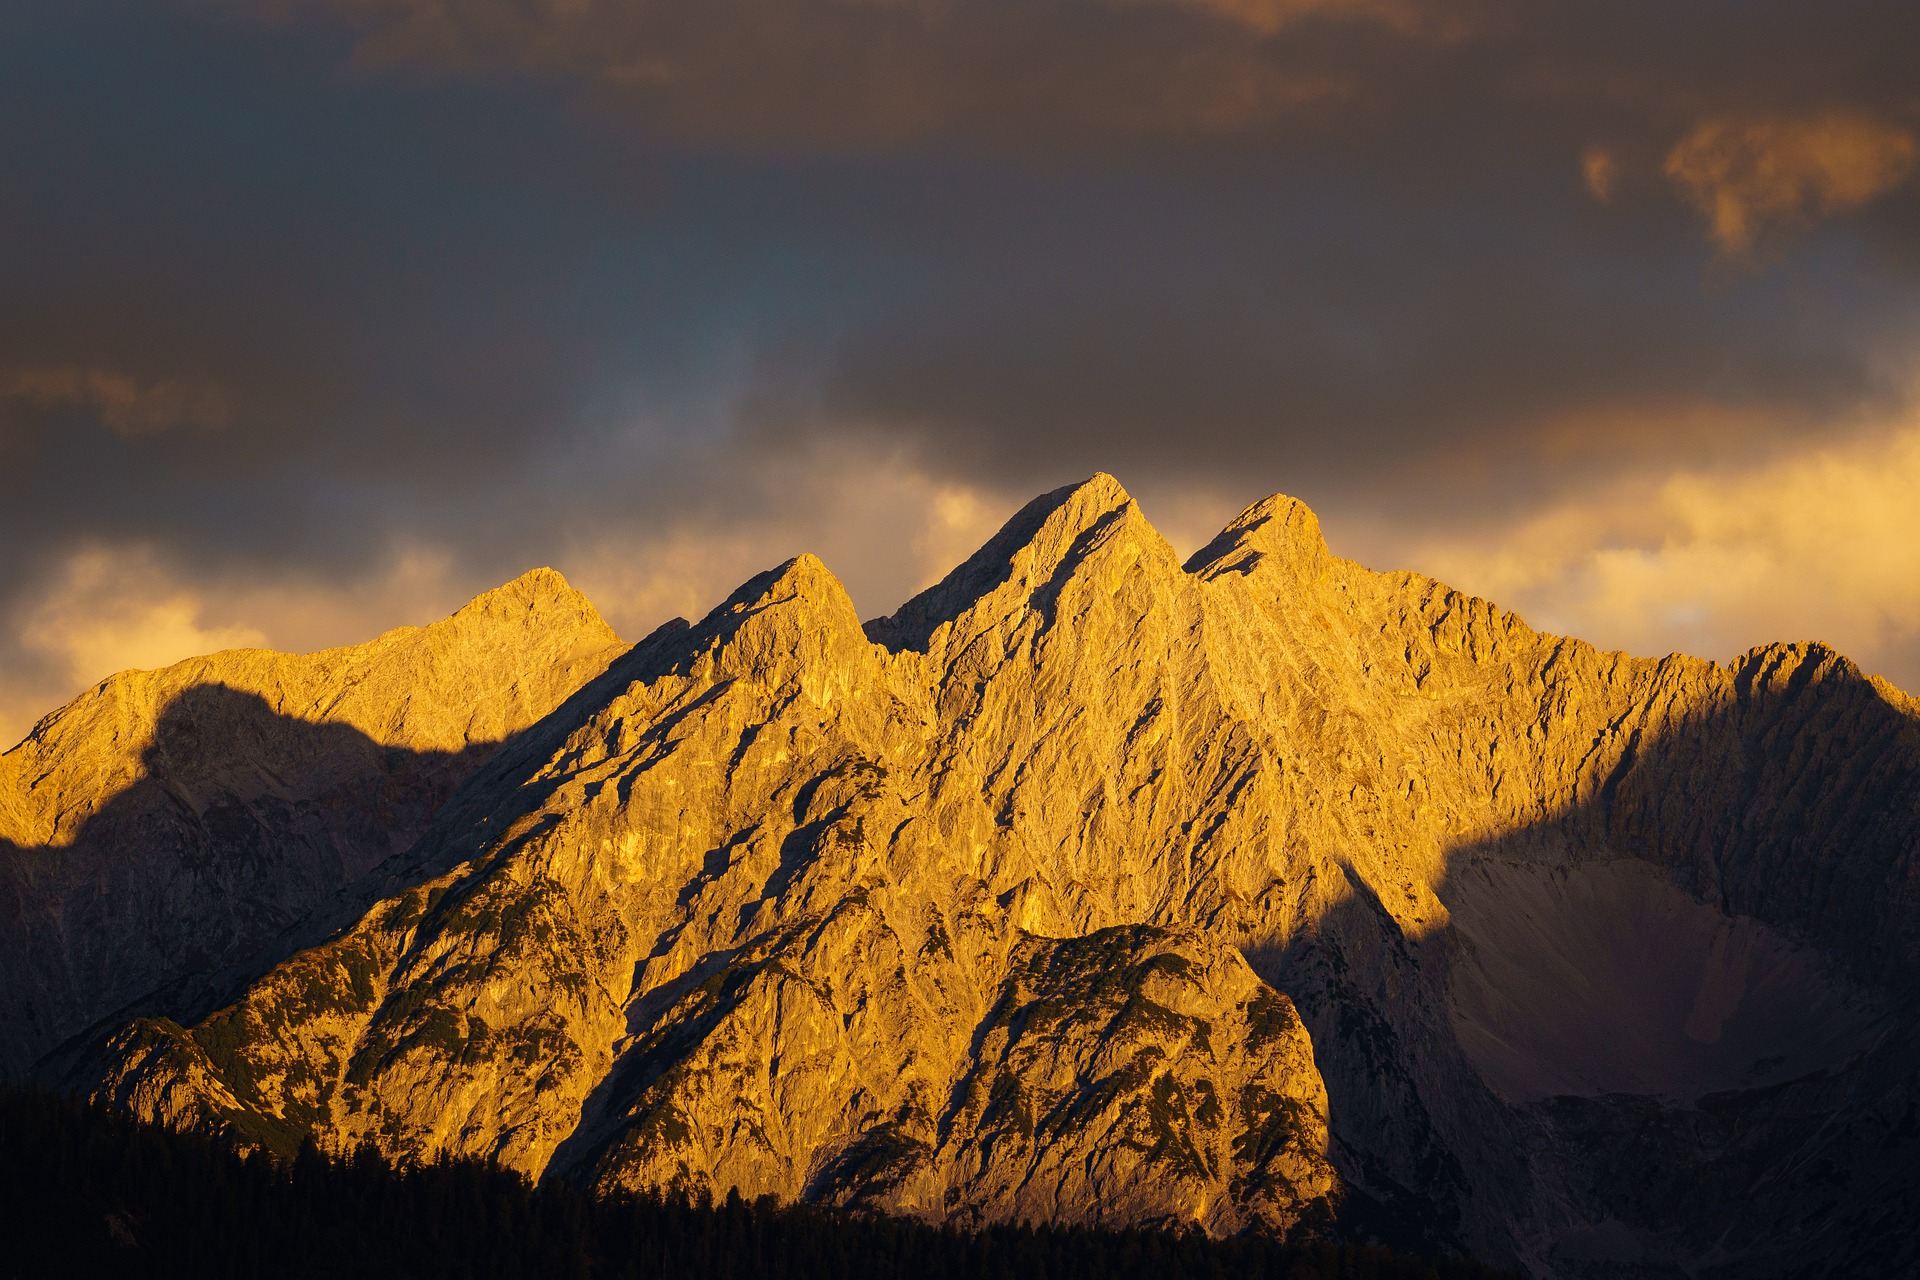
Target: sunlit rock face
column 168, row 822
column 1092, row 886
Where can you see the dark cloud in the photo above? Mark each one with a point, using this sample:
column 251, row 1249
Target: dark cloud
column 285, row 286
column 1094, row 73
column 862, row 73
column 1349, row 335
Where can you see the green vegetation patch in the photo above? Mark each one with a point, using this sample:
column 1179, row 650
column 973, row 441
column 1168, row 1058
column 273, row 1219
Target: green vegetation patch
column 1273, row 1123
column 1170, row 1119
column 1270, row 1019
column 879, row 1160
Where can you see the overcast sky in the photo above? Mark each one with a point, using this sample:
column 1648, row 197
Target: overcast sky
column 319, row 316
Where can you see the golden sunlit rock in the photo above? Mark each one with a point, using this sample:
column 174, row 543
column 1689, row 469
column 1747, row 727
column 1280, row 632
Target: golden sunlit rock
column 168, row 822
column 1090, row 886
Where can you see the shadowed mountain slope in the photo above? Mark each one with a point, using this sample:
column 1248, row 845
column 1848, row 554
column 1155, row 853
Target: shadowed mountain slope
column 168, row 822
column 952, row 915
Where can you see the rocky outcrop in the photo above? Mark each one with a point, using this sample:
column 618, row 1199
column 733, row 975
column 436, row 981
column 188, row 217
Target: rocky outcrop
column 1091, row 885
column 168, row 822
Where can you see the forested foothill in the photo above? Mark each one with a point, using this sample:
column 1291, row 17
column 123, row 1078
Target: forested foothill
column 87, row 1192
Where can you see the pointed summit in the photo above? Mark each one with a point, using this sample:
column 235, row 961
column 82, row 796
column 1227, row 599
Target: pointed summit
column 805, row 579
column 793, row 622
column 538, row 597
column 1277, row 533
column 1052, row 531
column 1085, row 503
column 542, row 583
column 1081, row 914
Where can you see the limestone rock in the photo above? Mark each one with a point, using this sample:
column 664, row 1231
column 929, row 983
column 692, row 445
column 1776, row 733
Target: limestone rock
column 1572, row 960
column 167, row 822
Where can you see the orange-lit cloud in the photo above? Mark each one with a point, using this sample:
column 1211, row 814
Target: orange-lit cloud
column 1365, row 274
column 883, row 72
column 104, row 610
column 108, row 608
column 1820, row 543
column 1751, row 177
column 884, row 525
column 109, row 611
column 1600, row 169
column 1269, row 16
column 1811, row 543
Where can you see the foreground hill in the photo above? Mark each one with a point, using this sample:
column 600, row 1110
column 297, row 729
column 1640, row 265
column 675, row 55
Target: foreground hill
column 168, row 822
column 1091, row 887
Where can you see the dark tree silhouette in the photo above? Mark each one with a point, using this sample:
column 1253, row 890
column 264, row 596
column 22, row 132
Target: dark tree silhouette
column 86, row 1192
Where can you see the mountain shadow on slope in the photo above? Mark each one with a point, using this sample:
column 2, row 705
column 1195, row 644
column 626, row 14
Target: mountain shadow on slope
column 1179, row 755
column 241, row 820
column 1665, row 1031
column 161, row 823
column 322, row 816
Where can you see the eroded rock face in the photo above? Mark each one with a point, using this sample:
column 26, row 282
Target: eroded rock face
column 168, row 822
column 947, row 915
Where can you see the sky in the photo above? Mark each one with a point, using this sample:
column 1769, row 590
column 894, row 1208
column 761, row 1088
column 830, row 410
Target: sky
column 318, row 317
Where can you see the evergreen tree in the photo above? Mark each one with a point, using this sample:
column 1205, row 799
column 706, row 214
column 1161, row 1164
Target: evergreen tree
column 87, row 1192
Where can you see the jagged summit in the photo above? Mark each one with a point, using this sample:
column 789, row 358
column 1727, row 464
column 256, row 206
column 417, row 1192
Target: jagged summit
column 1045, row 540
column 1028, row 561
column 539, row 610
column 803, row 580
column 792, row 623
column 1243, row 894
column 1039, row 533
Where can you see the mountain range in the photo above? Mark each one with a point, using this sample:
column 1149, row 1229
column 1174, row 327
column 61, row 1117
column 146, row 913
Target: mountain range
column 1257, row 892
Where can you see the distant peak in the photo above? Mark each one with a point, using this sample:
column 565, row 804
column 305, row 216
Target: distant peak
column 1048, row 530
column 1277, row 532
column 1067, row 511
column 793, row 625
column 804, row 578
column 534, row 584
column 802, row 592
column 542, row 591
column 1793, row 665
column 544, row 578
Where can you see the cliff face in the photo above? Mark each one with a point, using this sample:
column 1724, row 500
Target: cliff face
column 167, row 822
column 1094, row 886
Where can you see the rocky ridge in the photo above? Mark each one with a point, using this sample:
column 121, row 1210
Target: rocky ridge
column 168, row 822
column 1095, row 886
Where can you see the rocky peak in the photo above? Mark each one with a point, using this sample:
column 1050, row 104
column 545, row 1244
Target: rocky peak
column 802, row 582
column 539, row 597
column 1028, row 563
column 958, row 930
column 1789, row 667
column 1276, row 534
column 792, row 622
